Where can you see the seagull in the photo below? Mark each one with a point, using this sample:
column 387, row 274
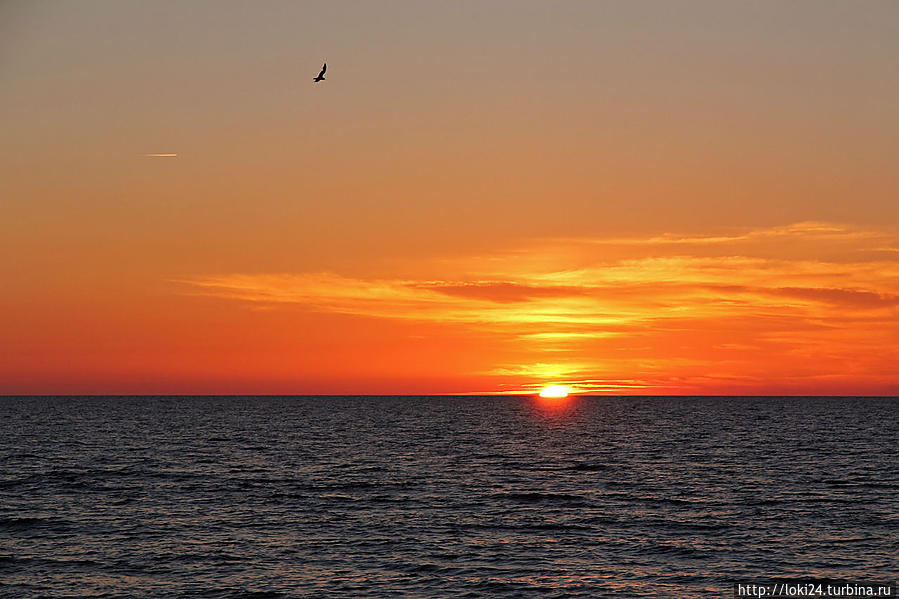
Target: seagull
column 321, row 76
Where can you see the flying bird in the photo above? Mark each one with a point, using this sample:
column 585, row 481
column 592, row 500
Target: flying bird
column 321, row 76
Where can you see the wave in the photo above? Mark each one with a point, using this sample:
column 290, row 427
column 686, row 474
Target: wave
column 588, row 467
column 541, row 497
column 25, row 523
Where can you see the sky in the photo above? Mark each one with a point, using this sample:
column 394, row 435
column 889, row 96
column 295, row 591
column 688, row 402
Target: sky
column 669, row 197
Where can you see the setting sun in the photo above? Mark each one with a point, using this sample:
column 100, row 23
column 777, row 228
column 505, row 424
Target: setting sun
column 555, row 391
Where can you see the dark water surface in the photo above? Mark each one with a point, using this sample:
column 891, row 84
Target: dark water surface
column 442, row 497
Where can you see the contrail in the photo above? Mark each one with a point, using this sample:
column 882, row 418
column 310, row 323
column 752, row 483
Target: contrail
column 161, row 155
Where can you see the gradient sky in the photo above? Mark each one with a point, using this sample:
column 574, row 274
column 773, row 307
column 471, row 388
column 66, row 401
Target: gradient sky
column 627, row 197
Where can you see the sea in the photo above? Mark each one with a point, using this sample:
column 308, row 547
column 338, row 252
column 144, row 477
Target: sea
column 279, row 497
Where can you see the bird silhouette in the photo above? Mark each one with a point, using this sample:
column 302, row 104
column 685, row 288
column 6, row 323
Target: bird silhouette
column 321, row 76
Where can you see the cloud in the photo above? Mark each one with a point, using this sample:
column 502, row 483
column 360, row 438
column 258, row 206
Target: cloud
column 852, row 298
column 800, row 302
column 498, row 291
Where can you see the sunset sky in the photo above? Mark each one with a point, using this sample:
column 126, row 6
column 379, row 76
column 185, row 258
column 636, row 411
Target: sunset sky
column 671, row 197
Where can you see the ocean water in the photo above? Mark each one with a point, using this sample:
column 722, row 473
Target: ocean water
column 442, row 497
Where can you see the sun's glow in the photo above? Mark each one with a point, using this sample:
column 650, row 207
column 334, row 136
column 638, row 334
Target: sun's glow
column 756, row 309
column 555, row 391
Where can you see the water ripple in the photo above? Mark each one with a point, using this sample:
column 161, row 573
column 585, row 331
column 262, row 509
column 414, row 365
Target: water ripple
column 437, row 497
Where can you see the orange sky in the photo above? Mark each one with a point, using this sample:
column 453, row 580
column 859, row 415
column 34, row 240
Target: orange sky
column 644, row 198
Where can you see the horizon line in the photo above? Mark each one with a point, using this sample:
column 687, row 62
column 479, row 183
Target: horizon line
column 419, row 395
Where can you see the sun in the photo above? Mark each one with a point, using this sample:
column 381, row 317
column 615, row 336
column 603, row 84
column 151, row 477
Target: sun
column 555, row 391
